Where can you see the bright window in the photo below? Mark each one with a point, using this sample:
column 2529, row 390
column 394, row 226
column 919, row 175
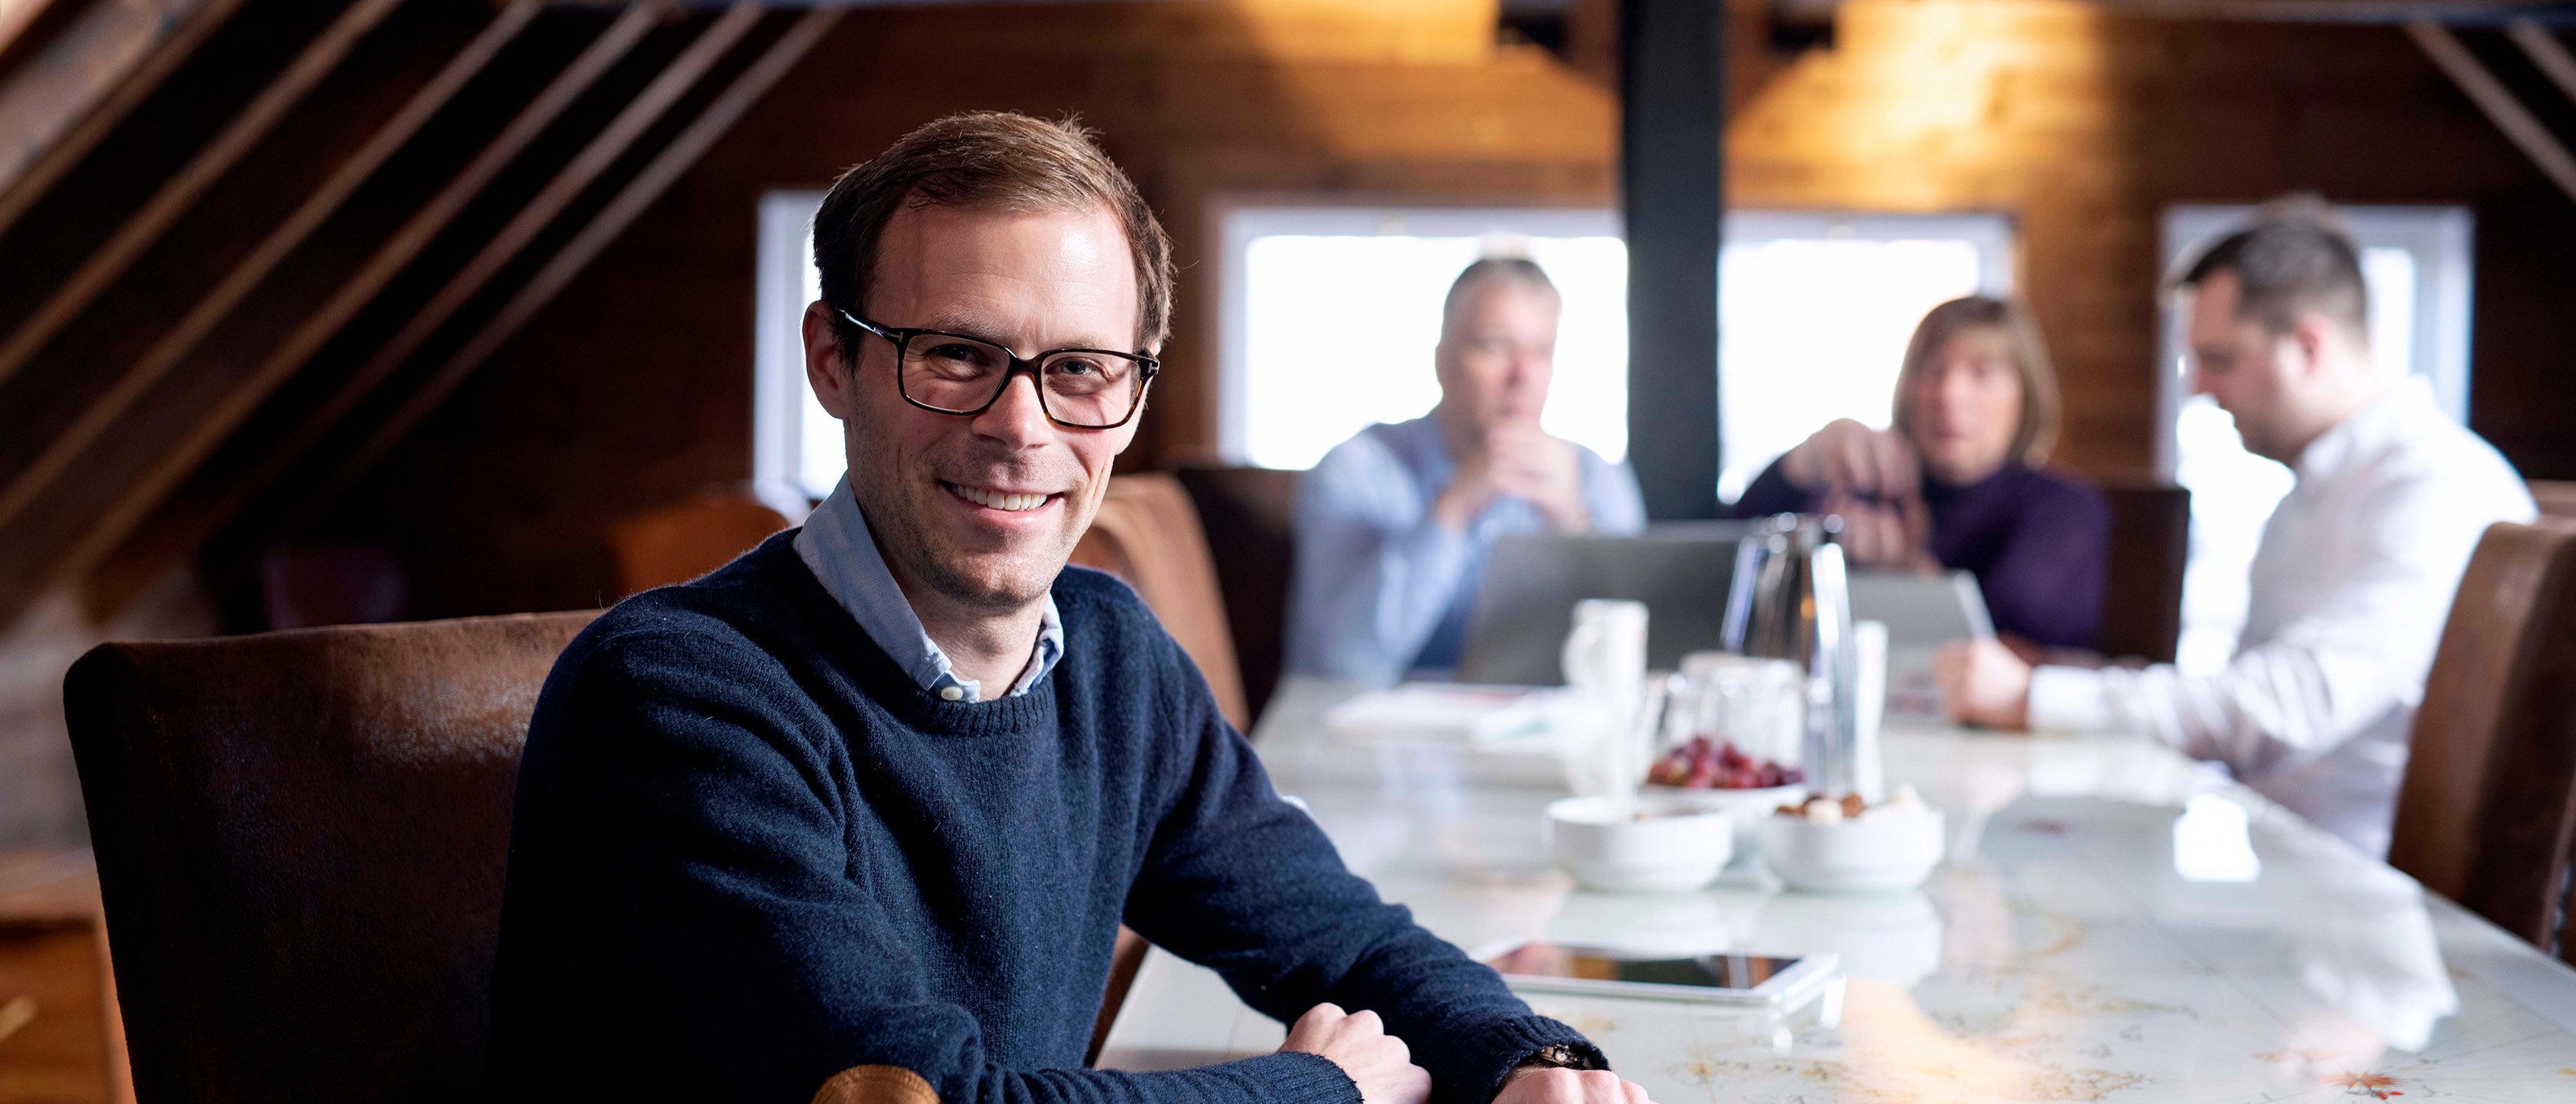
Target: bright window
column 1330, row 316
column 796, row 445
column 2415, row 262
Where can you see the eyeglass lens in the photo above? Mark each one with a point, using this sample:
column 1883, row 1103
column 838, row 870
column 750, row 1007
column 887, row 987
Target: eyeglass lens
column 961, row 374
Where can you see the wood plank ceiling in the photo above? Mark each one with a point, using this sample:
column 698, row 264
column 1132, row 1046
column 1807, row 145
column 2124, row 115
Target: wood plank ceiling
column 250, row 244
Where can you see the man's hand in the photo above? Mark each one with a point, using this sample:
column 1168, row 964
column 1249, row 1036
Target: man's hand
column 1986, row 684
column 1377, row 1062
column 1545, row 472
column 1851, row 457
column 1521, row 461
column 1551, row 1085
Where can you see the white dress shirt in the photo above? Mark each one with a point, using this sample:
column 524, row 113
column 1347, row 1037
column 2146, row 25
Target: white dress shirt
column 2350, row 589
column 837, row 548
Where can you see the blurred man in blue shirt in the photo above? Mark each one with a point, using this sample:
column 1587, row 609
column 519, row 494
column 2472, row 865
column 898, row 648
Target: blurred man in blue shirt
column 1394, row 525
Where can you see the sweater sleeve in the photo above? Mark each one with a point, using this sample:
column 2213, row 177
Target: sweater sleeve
column 2046, row 582
column 685, row 917
column 1240, row 881
column 1770, row 493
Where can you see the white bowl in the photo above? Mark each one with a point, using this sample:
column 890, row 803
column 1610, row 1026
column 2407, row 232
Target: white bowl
column 1748, row 807
column 1608, row 845
column 1880, row 852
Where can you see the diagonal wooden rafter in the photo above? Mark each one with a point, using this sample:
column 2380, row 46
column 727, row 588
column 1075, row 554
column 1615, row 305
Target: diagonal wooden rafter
column 182, row 190
column 2498, row 102
column 2545, row 52
column 576, row 254
column 576, row 177
column 28, row 181
column 246, row 276
column 399, row 250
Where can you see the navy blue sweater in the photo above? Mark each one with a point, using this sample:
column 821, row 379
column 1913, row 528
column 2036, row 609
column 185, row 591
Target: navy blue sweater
column 750, row 853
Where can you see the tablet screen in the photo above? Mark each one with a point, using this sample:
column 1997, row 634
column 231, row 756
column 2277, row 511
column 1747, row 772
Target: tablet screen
column 1722, row 971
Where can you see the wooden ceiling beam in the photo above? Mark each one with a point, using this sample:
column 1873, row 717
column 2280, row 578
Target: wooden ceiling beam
column 576, row 177
column 227, row 293
column 576, row 254
column 133, row 57
column 2508, row 114
column 182, row 190
column 2545, row 52
column 353, row 294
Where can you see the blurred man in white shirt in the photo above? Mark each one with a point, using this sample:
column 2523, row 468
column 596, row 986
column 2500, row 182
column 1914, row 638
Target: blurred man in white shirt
column 2357, row 566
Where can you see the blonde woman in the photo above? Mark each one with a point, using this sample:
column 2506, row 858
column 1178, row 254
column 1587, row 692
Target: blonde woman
column 1957, row 483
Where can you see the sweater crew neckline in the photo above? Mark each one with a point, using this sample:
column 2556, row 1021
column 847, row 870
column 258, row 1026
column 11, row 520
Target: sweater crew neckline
column 885, row 680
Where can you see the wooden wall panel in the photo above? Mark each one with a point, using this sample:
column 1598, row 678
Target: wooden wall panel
column 634, row 388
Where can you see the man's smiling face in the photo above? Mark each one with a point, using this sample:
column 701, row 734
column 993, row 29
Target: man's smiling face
column 984, row 509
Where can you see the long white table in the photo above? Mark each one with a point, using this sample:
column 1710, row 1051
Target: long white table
column 2059, row 954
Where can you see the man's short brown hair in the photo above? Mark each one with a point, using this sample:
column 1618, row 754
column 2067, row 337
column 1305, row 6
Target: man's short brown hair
column 991, row 159
column 2296, row 259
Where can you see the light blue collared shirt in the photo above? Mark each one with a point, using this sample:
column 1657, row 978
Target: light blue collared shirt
column 1381, row 589
column 836, row 547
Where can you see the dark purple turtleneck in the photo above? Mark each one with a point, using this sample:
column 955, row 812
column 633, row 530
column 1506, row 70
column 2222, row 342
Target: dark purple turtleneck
column 2035, row 540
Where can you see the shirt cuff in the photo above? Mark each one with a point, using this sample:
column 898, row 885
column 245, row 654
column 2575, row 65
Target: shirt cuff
column 2068, row 699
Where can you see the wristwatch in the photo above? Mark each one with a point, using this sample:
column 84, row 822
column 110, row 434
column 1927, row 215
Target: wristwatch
column 1559, row 1056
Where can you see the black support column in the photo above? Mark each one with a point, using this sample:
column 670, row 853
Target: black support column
column 1672, row 93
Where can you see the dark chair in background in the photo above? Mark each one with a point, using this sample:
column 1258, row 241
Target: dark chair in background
column 2488, row 809
column 686, row 539
column 300, row 841
column 1250, row 516
column 2142, row 591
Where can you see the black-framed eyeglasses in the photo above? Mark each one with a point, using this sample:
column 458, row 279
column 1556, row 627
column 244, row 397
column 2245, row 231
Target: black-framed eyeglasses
column 950, row 373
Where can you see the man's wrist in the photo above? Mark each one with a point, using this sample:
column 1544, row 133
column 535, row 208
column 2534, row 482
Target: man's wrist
column 1559, row 1056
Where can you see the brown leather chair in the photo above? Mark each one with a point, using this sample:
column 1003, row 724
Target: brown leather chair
column 1148, row 534
column 2488, row 810
column 681, row 541
column 1250, row 516
column 2142, row 578
column 2557, row 497
column 300, row 840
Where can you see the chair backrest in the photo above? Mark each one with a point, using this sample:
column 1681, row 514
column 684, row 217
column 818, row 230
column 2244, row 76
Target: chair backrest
column 2142, row 576
column 1148, row 534
column 2489, row 802
column 681, row 541
column 2556, row 497
column 301, row 838
column 1250, row 516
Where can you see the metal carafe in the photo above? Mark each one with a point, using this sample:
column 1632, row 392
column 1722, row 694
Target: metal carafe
column 1791, row 600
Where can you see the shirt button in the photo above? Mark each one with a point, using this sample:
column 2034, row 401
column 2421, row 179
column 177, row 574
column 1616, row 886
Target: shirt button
column 951, row 693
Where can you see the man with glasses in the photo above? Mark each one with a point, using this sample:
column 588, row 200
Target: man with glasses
column 1393, row 525
column 857, row 817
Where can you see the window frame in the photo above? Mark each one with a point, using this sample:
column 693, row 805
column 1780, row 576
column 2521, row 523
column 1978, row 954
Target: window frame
column 1239, row 220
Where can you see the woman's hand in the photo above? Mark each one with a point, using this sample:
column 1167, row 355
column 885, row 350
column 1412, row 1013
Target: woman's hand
column 1848, row 457
column 1894, row 535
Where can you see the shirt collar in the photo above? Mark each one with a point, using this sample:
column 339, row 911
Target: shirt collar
column 837, row 548
column 2382, row 419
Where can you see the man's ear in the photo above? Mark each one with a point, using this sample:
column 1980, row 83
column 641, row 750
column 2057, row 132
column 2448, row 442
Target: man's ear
column 827, row 371
column 2310, row 335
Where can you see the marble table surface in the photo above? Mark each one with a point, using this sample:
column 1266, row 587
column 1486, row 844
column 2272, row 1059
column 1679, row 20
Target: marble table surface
column 2066, row 950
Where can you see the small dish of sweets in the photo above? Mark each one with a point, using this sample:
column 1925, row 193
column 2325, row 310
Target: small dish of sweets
column 1717, row 776
column 1836, row 844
